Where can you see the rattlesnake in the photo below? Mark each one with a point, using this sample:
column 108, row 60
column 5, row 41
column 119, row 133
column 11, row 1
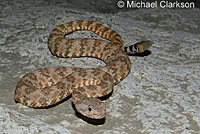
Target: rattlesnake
column 48, row 86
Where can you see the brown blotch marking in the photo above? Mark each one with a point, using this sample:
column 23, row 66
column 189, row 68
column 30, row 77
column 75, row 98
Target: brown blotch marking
column 98, row 48
column 17, row 98
column 83, row 24
column 52, row 38
column 67, row 49
column 55, row 35
column 93, row 94
column 70, row 78
column 104, row 85
column 61, row 86
column 117, row 38
column 82, row 73
column 99, row 30
column 61, row 94
column 70, row 24
column 26, row 81
column 33, row 76
column 55, row 77
column 91, row 25
column 89, row 82
column 81, row 47
column 97, row 27
column 69, row 90
column 78, row 83
column 61, row 73
column 33, row 104
column 38, row 84
column 25, row 100
column 122, row 69
column 56, row 31
column 92, row 88
column 42, row 101
column 84, row 82
column 75, row 51
column 105, row 55
column 53, row 101
column 112, row 35
column 83, row 42
column 81, row 89
column 106, row 76
column 58, row 42
column 88, row 48
column 19, row 85
column 46, row 91
column 61, row 48
column 59, row 69
column 115, row 79
column 29, row 90
column 62, row 28
column 44, row 82
column 106, row 33
column 87, row 25
column 75, row 28
column 54, row 48
column 79, row 24
column 55, row 95
column 20, row 96
column 105, row 93
column 95, row 72
column 75, row 97
column 19, row 88
column 44, row 71
column 104, row 29
column 51, row 81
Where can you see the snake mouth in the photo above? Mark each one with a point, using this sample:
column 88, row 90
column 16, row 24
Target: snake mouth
column 92, row 115
column 98, row 116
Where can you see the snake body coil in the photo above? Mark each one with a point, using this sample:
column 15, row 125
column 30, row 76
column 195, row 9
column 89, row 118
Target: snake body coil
column 48, row 86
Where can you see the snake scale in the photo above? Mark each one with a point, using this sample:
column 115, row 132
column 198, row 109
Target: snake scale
column 48, row 86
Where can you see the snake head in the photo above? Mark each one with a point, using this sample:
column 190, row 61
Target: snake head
column 89, row 107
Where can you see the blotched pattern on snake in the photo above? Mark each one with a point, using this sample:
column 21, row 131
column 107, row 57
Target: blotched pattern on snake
column 48, row 86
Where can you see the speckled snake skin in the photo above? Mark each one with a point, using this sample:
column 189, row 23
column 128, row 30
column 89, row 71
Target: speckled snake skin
column 48, row 86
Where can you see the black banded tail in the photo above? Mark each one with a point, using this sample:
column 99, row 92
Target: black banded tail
column 138, row 47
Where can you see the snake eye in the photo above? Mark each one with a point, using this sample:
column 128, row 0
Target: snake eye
column 89, row 109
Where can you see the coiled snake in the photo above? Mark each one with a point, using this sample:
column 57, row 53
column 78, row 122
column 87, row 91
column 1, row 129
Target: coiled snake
column 48, row 86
